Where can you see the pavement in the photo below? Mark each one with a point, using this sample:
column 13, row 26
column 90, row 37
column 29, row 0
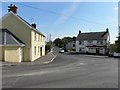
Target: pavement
column 48, row 58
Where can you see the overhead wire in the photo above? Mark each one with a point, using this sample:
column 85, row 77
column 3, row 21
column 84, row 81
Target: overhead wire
column 72, row 17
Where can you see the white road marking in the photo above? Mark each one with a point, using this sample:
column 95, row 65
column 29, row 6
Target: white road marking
column 50, row 60
column 32, row 73
column 83, row 64
column 95, row 56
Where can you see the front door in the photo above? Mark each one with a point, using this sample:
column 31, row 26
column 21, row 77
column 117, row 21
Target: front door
column 40, row 51
column 97, row 50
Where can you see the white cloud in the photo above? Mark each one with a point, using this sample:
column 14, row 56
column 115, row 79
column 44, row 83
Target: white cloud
column 115, row 8
column 66, row 13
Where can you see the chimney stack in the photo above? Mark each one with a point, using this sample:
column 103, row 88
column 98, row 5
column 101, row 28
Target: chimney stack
column 12, row 8
column 79, row 32
column 33, row 25
column 107, row 29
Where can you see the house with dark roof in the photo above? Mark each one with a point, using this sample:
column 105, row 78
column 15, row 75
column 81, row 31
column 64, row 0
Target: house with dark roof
column 17, row 32
column 93, row 42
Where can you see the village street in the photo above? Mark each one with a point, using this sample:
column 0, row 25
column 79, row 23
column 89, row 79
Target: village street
column 66, row 71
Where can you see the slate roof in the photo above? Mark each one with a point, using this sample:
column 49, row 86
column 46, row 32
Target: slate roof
column 8, row 39
column 92, row 36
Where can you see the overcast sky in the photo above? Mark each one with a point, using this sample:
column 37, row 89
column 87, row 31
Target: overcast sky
column 62, row 19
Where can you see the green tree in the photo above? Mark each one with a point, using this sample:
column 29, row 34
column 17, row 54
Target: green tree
column 62, row 42
column 118, row 44
column 57, row 41
column 48, row 47
column 112, row 48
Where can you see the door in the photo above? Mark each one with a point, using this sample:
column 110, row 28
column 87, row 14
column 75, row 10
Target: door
column 40, row 51
column 97, row 50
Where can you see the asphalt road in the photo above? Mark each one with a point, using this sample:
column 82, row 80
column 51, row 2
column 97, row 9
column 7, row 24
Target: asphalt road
column 66, row 71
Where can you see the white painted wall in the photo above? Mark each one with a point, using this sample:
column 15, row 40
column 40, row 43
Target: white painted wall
column 77, row 46
column 94, row 42
column 92, row 51
column 85, row 43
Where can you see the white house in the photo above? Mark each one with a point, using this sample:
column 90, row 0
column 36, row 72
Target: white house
column 71, row 45
column 93, row 42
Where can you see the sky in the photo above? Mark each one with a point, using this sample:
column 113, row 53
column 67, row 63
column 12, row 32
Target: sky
column 62, row 19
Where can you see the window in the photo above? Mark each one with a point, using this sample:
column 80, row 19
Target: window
column 80, row 49
column 101, row 42
column 80, row 42
column 98, row 42
column 35, row 36
column 73, row 45
column 34, row 50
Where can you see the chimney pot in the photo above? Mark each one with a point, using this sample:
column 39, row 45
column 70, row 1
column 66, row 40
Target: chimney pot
column 107, row 29
column 12, row 8
column 33, row 25
column 79, row 31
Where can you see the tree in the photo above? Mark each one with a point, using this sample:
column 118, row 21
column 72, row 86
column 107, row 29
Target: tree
column 48, row 47
column 62, row 42
column 112, row 48
column 74, row 38
column 57, row 41
column 118, row 44
column 65, row 40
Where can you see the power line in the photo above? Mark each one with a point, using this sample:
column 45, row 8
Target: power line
column 72, row 17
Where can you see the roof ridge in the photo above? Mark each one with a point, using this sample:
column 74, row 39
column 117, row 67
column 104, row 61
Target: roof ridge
column 95, row 32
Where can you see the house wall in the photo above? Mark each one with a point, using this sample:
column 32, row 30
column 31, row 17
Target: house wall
column 70, row 46
column 1, row 53
column 85, row 43
column 91, row 50
column 102, row 51
column 19, row 29
column 12, row 54
column 77, row 46
column 38, row 43
column 26, row 54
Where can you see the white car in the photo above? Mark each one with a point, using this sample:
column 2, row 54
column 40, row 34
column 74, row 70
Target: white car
column 61, row 51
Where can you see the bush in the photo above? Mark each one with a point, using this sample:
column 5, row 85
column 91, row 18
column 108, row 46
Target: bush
column 47, row 48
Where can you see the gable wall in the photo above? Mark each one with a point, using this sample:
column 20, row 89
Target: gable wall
column 18, row 28
column 21, row 31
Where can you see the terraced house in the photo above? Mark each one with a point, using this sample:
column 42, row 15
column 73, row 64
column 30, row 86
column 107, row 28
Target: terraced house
column 20, row 41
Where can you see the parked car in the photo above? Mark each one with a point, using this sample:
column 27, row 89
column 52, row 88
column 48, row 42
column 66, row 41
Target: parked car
column 116, row 54
column 61, row 51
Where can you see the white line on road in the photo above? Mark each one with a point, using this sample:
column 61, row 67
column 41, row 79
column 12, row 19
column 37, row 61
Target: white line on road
column 32, row 73
column 83, row 64
column 50, row 60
